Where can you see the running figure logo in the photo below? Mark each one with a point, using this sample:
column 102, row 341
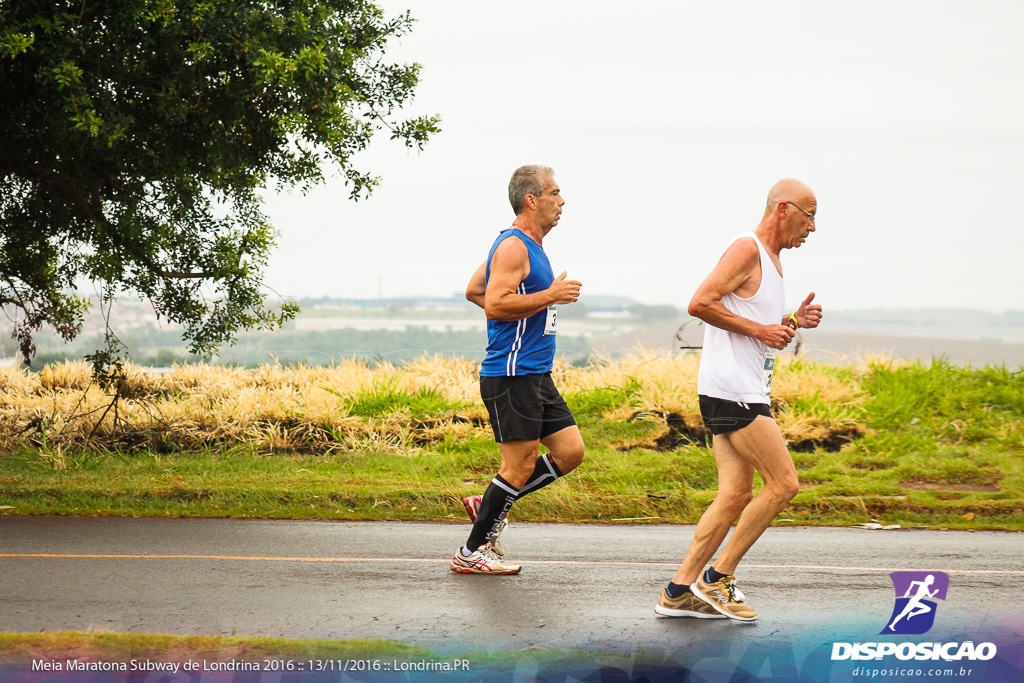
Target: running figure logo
column 914, row 612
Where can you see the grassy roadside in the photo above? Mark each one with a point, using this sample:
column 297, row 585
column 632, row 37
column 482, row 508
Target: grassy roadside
column 916, row 445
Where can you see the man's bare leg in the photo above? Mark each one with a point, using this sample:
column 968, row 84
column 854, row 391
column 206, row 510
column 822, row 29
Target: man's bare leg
column 757, row 447
column 566, row 446
column 761, row 444
column 735, row 482
column 518, row 458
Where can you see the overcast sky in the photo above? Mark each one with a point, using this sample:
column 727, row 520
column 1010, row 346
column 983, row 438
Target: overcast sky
column 667, row 123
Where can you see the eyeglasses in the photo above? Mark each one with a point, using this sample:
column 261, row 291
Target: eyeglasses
column 810, row 216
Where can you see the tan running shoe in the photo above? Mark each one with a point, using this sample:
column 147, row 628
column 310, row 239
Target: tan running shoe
column 686, row 605
column 483, row 561
column 724, row 597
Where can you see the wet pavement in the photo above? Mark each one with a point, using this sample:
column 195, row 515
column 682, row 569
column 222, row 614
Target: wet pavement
column 582, row 586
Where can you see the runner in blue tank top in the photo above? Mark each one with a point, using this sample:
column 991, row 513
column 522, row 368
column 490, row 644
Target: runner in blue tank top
column 518, row 291
column 525, row 346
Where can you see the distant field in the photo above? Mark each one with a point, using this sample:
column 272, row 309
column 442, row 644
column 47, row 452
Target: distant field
column 842, row 346
column 912, row 444
column 399, row 331
column 845, row 344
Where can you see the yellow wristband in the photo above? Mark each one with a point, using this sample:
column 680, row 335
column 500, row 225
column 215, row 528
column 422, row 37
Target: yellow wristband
column 793, row 321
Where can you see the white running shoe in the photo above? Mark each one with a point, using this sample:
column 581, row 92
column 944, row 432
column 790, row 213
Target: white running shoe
column 495, row 539
column 482, row 561
column 472, row 504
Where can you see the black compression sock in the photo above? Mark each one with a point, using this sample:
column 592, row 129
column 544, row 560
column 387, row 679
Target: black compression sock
column 713, row 576
column 544, row 472
column 674, row 590
column 498, row 498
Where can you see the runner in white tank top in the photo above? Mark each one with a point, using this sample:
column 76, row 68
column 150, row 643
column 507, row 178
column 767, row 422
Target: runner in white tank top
column 742, row 303
column 738, row 367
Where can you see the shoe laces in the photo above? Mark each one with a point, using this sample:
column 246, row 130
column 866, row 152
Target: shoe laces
column 488, row 552
column 735, row 594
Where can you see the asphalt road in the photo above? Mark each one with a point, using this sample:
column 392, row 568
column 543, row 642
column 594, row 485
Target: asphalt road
column 582, row 586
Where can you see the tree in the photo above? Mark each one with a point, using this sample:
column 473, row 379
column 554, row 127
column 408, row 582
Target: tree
column 137, row 135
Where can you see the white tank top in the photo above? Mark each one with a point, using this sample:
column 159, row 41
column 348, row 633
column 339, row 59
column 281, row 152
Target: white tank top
column 734, row 366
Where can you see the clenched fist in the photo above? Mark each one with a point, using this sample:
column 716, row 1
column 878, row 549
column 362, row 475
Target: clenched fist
column 564, row 291
column 775, row 336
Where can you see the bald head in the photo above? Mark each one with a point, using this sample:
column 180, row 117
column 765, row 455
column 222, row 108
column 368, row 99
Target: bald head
column 788, row 190
column 790, row 215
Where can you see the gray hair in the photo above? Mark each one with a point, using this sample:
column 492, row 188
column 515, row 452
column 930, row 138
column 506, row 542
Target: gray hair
column 526, row 180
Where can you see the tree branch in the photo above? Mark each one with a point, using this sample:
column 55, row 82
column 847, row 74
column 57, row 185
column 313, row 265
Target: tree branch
column 58, row 180
column 90, row 210
column 174, row 275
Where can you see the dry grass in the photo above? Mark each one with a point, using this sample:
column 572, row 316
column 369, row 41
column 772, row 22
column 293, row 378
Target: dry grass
column 271, row 409
column 661, row 383
column 813, row 402
column 310, row 409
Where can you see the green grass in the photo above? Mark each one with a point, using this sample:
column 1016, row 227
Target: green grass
column 956, row 430
column 943, row 447
column 596, row 401
column 384, row 397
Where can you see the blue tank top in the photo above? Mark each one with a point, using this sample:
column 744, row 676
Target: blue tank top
column 520, row 347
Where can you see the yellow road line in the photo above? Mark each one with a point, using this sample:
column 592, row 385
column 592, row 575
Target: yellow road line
column 244, row 558
column 247, row 558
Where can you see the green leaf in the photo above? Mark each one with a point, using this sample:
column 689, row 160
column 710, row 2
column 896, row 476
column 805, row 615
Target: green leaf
column 145, row 130
column 13, row 44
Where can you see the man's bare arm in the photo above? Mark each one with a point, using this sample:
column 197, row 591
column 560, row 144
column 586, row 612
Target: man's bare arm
column 477, row 286
column 738, row 264
column 509, row 267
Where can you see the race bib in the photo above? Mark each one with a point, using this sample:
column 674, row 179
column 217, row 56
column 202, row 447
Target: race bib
column 769, row 370
column 550, row 322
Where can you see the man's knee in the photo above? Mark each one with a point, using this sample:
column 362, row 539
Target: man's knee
column 784, row 490
column 734, row 500
column 526, row 465
column 518, row 461
column 572, row 456
column 567, row 449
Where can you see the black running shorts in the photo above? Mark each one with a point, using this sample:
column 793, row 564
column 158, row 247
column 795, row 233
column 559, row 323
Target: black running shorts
column 524, row 407
column 721, row 416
